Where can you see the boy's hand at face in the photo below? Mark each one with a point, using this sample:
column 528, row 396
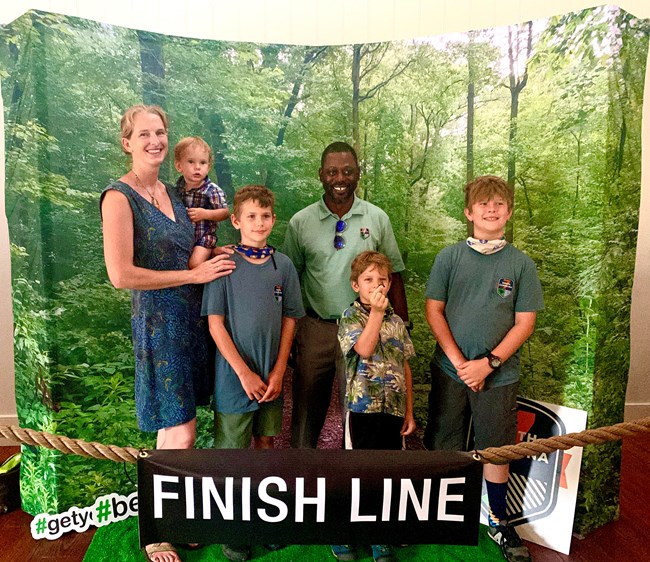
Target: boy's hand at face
column 253, row 385
column 197, row 214
column 473, row 373
column 378, row 300
column 408, row 426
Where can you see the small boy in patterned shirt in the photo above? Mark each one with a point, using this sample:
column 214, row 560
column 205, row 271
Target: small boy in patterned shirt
column 205, row 200
column 376, row 346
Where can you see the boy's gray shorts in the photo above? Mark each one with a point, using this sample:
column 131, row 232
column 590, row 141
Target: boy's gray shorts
column 453, row 408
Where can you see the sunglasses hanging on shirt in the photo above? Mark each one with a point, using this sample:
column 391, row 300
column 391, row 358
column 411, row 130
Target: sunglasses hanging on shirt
column 339, row 241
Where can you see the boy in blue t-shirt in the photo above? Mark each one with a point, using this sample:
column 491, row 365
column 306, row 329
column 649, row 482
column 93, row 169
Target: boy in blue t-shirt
column 252, row 316
column 482, row 301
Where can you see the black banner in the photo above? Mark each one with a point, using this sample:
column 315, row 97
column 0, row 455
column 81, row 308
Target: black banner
column 306, row 496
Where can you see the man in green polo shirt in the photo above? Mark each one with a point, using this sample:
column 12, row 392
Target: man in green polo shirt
column 322, row 240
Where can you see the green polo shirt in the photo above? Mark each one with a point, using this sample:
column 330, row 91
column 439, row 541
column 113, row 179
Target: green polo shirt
column 325, row 271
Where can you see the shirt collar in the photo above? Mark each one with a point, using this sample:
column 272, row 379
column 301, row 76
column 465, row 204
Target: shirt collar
column 181, row 184
column 324, row 212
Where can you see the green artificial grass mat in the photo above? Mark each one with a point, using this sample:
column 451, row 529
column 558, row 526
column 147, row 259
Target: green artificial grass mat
column 119, row 541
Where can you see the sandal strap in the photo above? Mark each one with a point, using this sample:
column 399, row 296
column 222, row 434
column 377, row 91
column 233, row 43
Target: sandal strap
column 156, row 547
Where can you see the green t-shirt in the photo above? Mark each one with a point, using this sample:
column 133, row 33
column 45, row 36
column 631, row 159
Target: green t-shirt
column 325, row 271
column 482, row 293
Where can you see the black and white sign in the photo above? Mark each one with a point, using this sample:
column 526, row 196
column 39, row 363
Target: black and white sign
column 542, row 490
column 306, row 496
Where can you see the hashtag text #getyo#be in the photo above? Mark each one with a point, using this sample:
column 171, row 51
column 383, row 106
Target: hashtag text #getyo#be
column 106, row 509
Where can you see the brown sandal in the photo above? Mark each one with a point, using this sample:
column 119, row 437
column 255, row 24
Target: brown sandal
column 157, row 547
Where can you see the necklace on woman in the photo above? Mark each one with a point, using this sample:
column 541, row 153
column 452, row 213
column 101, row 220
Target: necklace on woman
column 154, row 201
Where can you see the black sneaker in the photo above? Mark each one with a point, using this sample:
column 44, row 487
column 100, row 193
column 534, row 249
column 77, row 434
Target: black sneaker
column 506, row 537
column 343, row 552
column 236, row 552
column 382, row 553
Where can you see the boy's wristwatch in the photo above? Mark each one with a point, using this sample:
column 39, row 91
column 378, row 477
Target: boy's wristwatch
column 494, row 360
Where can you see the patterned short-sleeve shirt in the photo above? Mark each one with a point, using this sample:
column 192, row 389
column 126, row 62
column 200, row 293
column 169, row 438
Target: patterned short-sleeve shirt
column 376, row 384
column 207, row 196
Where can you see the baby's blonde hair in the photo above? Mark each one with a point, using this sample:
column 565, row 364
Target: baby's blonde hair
column 187, row 142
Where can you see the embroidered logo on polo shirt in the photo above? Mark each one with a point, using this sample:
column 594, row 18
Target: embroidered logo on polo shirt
column 505, row 287
column 365, row 232
column 277, row 293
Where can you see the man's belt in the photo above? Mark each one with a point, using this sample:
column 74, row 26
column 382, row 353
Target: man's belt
column 312, row 314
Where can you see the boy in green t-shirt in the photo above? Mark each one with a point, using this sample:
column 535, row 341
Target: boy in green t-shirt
column 482, row 300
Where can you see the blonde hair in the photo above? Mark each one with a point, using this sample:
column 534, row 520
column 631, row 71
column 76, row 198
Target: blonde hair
column 127, row 121
column 365, row 259
column 263, row 195
column 488, row 187
column 188, row 142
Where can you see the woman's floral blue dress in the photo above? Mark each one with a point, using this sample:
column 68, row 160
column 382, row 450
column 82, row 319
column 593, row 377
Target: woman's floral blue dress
column 170, row 339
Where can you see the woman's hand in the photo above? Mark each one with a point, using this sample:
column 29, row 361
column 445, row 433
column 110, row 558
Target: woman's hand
column 229, row 249
column 216, row 267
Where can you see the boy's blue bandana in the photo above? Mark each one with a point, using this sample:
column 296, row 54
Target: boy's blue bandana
column 255, row 253
column 486, row 247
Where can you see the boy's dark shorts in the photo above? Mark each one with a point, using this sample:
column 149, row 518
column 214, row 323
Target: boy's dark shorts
column 453, row 406
column 378, row 431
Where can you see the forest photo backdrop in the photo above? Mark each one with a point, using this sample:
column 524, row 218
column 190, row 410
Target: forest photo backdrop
column 552, row 105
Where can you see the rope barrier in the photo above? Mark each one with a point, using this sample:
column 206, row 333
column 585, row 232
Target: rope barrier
column 508, row 453
column 491, row 455
column 69, row 446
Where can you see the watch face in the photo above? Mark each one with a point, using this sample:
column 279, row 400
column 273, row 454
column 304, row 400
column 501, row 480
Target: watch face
column 494, row 361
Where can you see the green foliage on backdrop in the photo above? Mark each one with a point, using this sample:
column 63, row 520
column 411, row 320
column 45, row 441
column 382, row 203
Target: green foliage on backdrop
column 553, row 105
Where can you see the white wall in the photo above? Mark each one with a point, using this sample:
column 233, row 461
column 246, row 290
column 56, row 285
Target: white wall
column 637, row 402
column 334, row 22
column 7, row 398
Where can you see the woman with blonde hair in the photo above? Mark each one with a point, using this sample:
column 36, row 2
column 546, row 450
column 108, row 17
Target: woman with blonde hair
column 148, row 239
